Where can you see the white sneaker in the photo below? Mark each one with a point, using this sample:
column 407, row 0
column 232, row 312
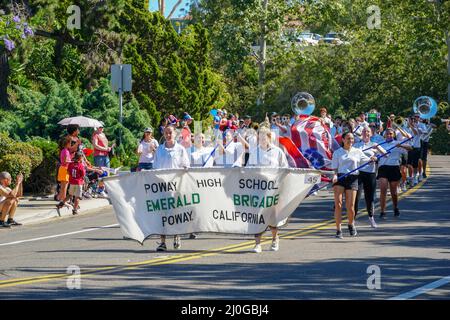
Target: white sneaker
column 275, row 244
column 257, row 248
column 176, row 242
column 419, row 178
column 404, row 189
column 415, row 182
column 373, row 224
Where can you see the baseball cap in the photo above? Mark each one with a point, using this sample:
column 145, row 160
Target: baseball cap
column 148, row 129
column 186, row 116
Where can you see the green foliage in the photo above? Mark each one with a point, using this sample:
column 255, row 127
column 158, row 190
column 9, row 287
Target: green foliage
column 440, row 141
column 6, row 144
column 26, row 149
column 15, row 164
column 42, row 179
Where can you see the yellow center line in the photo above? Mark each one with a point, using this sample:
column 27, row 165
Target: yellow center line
column 206, row 253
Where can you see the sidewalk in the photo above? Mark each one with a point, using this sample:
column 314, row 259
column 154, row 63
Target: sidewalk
column 33, row 210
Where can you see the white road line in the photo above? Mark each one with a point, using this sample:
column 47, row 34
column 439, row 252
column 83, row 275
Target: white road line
column 57, row 235
column 422, row 290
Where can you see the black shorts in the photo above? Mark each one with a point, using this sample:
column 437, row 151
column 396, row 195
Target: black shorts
column 424, row 151
column 350, row 182
column 413, row 157
column 391, row 173
column 404, row 159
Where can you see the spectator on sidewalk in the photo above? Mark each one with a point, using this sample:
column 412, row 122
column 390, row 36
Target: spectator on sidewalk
column 101, row 149
column 63, row 174
column 73, row 130
column 76, row 180
column 9, row 199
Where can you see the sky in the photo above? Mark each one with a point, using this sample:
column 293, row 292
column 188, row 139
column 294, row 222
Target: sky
column 169, row 6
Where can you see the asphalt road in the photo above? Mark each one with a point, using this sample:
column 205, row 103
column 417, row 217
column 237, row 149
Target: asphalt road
column 410, row 252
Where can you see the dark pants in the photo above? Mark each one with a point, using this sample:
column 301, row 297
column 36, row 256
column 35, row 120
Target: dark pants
column 368, row 183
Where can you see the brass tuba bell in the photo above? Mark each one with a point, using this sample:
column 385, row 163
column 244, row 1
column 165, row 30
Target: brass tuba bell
column 426, row 107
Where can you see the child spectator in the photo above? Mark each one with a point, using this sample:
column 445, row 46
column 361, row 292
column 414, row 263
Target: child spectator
column 64, row 160
column 76, row 180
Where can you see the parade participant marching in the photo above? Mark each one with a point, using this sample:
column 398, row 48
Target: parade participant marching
column 232, row 154
column 428, row 128
column 146, row 150
column 267, row 155
column 389, row 171
column 345, row 160
column 414, row 153
column 199, row 155
column 170, row 155
column 367, row 179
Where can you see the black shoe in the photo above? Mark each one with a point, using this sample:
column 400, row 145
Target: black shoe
column 5, row 225
column 339, row 234
column 74, row 212
column 424, row 176
column 60, row 205
column 162, row 247
column 192, row 236
column 13, row 222
column 396, row 212
column 383, row 216
column 352, row 230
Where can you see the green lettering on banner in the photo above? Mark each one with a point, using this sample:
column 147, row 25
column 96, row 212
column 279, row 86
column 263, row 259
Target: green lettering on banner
column 179, row 202
column 149, row 206
column 195, row 198
column 163, row 203
column 277, row 197
column 237, row 199
column 255, row 200
column 171, row 203
column 155, row 205
column 269, row 201
column 261, row 204
column 245, row 200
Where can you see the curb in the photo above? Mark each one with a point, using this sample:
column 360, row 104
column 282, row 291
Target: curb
column 43, row 215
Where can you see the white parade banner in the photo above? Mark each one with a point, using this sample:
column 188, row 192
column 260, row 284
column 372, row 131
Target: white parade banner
column 221, row 200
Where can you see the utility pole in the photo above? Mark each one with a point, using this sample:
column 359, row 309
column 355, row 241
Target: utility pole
column 262, row 54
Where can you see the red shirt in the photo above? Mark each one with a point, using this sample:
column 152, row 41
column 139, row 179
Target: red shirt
column 76, row 173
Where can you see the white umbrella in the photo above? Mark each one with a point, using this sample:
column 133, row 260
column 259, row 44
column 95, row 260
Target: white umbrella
column 83, row 122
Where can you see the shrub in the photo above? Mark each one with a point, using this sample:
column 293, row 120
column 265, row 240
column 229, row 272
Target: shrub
column 26, row 149
column 43, row 178
column 15, row 164
column 440, row 141
column 5, row 144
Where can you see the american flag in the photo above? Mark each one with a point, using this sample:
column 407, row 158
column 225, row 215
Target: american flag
column 312, row 137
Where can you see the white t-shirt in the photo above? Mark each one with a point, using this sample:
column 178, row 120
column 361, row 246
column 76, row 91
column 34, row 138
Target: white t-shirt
column 144, row 149
column 272, row 157
column 171, row 158
column 198, row 157
column 425, row 128
column 231, row 157
column 394, row 157
column 346, row 161
column 370, row 168
column 416, row 140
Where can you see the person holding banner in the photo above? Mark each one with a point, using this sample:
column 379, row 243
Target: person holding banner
column 199, row 154
column 389, row 171
column 232, row 154
column 267, row 155
column 345, row 160
column 367, row 179
column 170, row 155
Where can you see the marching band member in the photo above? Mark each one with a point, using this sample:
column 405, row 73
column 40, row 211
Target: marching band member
column 414, row 153
column 230, row 155
column 389, row 171
column 428, row 128
column 200, row 155
column 170, row 155
column 367, row 179
column 267, row 155
column 345, row 160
